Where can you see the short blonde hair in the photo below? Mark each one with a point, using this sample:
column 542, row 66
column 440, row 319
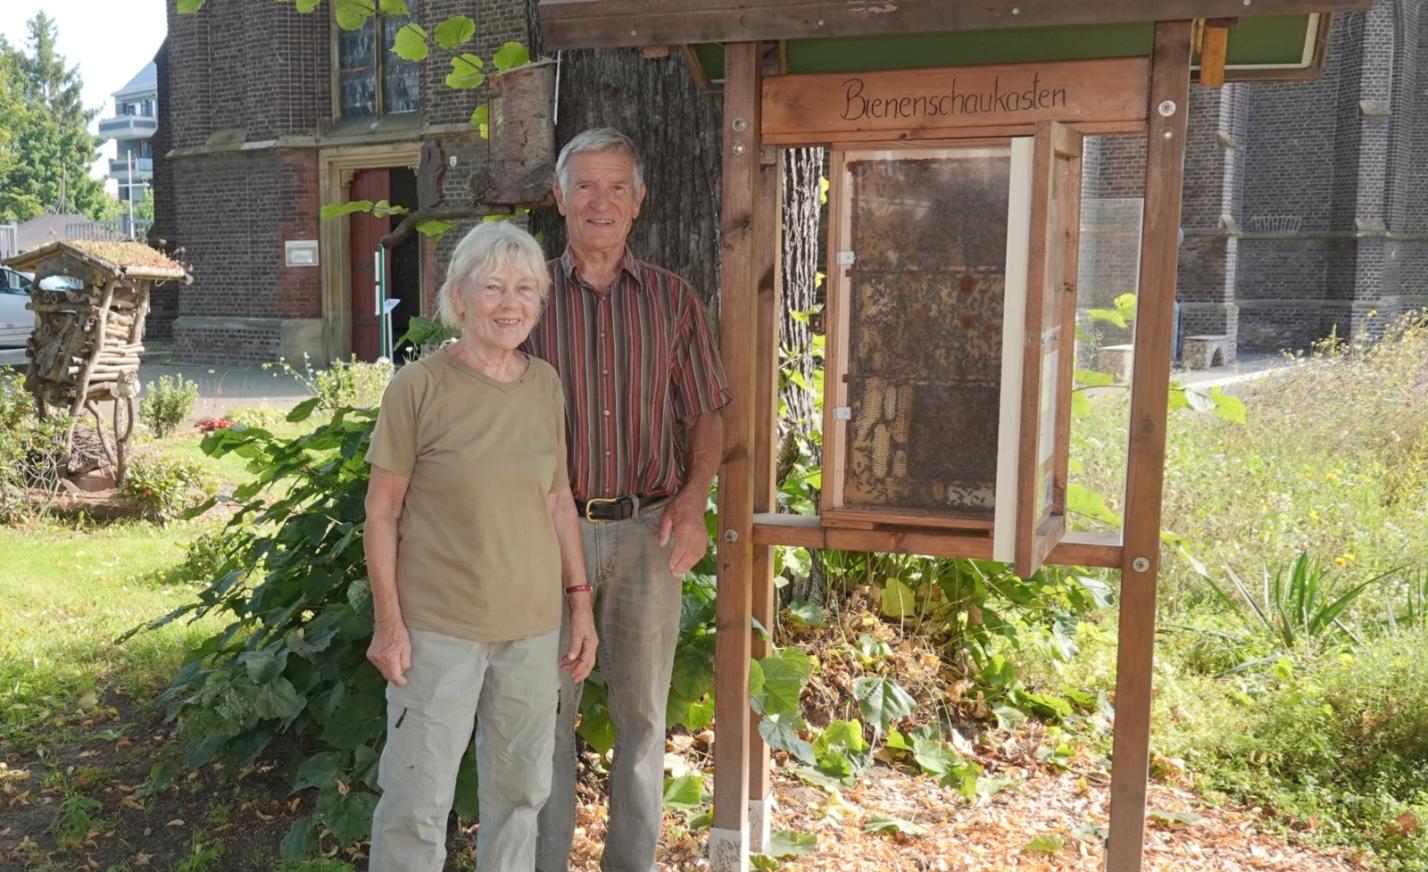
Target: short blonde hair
column 488, row 247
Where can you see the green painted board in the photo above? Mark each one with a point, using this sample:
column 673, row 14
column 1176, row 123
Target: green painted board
column 1272, row 41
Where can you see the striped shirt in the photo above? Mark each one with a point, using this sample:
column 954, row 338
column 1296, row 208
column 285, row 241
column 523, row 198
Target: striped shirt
column 635, row 359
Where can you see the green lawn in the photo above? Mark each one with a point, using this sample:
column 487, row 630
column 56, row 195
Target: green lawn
column 69, row 593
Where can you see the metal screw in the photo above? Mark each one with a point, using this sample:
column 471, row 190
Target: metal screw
column 740, row 124
column 1166, row 108
column 1169, row 134
column 731, row 536
column 1140, row 564
column 738, row 149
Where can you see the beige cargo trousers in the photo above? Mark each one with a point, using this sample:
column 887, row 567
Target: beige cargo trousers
column 508, row 690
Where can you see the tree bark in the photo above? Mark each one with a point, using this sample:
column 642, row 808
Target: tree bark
column 676, row 130
column 802, row 169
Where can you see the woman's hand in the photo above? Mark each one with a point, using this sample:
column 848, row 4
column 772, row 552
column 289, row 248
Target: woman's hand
column 579, row 658
column 391, row 650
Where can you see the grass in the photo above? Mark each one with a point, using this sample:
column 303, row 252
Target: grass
column 1329, row 734
column 70, row 591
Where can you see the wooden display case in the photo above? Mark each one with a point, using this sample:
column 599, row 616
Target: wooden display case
column 951, row 294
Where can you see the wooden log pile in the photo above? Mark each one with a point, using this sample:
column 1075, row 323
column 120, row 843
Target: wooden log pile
column 89, row 331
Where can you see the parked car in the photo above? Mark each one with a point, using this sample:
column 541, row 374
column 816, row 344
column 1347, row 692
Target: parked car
column 16, row 321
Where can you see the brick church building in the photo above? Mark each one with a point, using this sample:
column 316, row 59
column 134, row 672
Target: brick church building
column 1305, row 209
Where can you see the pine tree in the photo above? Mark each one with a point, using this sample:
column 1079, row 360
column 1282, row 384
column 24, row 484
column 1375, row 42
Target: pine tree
column 50, row 146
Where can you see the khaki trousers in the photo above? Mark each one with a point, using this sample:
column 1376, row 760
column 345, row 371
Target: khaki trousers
column 509, row 690
column 637, row 603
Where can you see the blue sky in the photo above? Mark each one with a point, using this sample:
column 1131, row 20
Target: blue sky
column 109, row 40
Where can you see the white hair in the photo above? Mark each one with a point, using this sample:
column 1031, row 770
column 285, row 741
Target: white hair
column 488, row 247
column 598, row 139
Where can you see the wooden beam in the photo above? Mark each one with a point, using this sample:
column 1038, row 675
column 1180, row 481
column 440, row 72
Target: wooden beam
column 922, row 137
column 767, row 266
column 1150, row 395
column 944, row 101
column 729, row 839
column 614, row 23
column 1212, row 56
column 807, row 531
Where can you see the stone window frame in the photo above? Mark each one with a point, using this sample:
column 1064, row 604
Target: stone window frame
column 379, row 65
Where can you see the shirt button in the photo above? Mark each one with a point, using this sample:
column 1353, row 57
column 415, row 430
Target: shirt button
column 602, row 334
column 606, row 413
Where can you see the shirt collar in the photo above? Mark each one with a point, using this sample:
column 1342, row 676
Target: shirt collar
column 628, row 265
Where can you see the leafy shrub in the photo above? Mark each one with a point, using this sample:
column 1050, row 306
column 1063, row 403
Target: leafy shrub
column 166, row 403
column 164, row 487
column 264, row 416
column 352, row 383
column 32, row 451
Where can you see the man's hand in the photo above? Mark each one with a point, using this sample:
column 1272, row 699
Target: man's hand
column 579, row 658
column 683, row 521
column 391, row 651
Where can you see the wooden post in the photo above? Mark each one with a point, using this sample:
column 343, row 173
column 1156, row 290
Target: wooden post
column 767, row 265
column 1150, row 392
column 729, row 838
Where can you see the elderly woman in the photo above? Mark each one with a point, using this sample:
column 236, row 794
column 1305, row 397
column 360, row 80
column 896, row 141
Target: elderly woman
column 471, row 535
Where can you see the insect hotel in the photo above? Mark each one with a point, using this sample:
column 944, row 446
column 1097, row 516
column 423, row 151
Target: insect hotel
column 955, row 132
column 90, row 300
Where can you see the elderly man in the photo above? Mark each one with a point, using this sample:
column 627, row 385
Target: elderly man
column 643, row 388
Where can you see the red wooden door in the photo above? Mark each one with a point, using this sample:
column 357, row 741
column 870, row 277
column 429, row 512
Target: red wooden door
column 367, row 233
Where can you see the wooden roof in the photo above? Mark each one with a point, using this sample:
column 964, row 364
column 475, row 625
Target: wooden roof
column 1272, row 39
column 132, row 259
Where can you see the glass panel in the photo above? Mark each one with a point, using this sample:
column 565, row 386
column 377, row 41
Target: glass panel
column 355, row 49
column 359, row 97
column 401, row 80
column 926, row 289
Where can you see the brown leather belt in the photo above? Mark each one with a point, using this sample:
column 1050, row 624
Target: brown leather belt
column 613, row 509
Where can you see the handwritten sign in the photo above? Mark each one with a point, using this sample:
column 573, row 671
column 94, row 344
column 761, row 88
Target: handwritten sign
column 841, row 107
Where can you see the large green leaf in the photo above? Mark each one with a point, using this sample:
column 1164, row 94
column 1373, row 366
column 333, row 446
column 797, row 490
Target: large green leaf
column 278, row 699
column 782, row 732
column 320, row 771
column 882, row 701
column 781, row 677
column 337, row 210
column 510, row 56
column 465, row 72
column 898, row 600
column 188, row 7
column 787, row 843
column 348, row 816
column 410, row 44
column 357, row 720
column 454, row 31
column 299, row 842
column 352, row 14
column 1082, row 500
column 393, row 7
column 893, row 826
column 683, row 793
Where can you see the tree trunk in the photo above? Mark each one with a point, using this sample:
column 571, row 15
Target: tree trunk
column 802, row 168
column 676, row 129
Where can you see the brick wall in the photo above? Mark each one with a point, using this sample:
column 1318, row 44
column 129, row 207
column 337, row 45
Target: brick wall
column 246, row 106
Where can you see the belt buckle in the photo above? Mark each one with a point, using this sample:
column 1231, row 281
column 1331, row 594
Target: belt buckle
column 599, row 500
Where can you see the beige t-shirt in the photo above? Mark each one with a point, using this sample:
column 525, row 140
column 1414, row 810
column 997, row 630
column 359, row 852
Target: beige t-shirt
column 477, row 556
